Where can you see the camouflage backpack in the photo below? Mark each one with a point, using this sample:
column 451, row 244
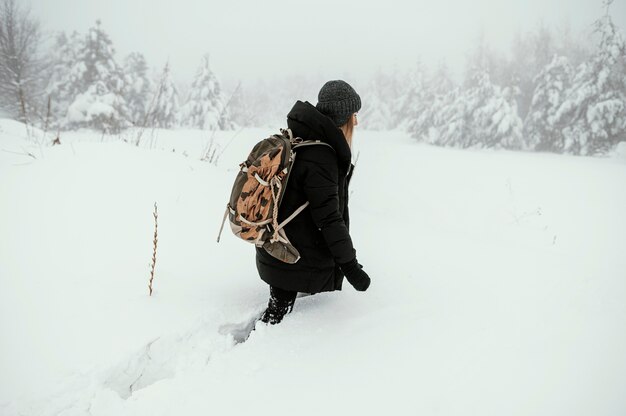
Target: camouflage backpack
column 252, row 210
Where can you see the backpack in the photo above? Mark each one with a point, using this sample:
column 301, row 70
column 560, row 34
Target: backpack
column 252, row 210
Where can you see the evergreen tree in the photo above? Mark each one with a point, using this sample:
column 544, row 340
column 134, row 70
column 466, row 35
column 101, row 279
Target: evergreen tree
column 429, row 97
column 594, row 112
column 482, row 115
column 205, row 108
column 441, row 81
column 164, row 109
column 542, row 131
column 381, row 102
column 493, row 114
column 415, row 102
column 530, row 54
column 574, row 47
column 138, row 87
column 450, row 123
column 100, row 104
column 65, row 80
column 484, row 58
column 240, row 109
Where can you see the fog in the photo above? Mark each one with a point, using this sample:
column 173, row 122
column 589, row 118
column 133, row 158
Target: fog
column 251, row 40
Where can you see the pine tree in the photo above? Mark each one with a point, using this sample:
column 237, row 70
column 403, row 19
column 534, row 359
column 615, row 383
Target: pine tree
column 493, row 114
column 376, row 113
column 450, row 123
column 206, row 107
column 163, row 111
column 380, row 102
column 138, row 87
column 481, row 115
column 441, row 81
column 65, row 80
column 429, row 95
column 541, row 128
column 530, row 54
column 436, row 108
column 240, row 110
column 414, row 103
column 100, row 104
column 594, row 112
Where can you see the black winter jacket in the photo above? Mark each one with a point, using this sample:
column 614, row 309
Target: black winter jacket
column 320, row 232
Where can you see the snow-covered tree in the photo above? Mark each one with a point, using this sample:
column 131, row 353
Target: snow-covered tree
column 381, row 101
column 20, row 62
column 481, row 115
column 594, row 111
column 375, row 113
column 240, row 109
column 529, row 54
column 429, row 97
column 163, row 111
column 138, row 87
column 100, row 104
column 414, row 102
column 575, row 47
column 65, row 80
column 450, row 123
column 493, row 115
column 542, row 131
column 441, row 81
column 206, row 106
column 484, row 58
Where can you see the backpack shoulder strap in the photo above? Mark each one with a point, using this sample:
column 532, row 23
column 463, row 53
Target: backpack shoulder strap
column 304, row 143
column 299, row 142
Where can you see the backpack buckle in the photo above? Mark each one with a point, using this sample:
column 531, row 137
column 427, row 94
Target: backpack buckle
column 287, row 132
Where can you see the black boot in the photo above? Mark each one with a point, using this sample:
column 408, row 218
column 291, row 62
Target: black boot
column 280, row 304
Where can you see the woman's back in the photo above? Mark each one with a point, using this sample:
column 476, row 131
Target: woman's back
column 320, row 176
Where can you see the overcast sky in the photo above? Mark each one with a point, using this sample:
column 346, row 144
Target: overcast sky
column 258, row 39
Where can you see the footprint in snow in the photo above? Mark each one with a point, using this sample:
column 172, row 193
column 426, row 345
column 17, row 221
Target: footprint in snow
column 240, row 331
column 159, row 359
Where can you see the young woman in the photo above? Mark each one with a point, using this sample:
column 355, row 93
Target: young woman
column 320, row 175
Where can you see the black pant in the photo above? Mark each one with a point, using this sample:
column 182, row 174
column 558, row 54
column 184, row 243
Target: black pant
column 280, row 304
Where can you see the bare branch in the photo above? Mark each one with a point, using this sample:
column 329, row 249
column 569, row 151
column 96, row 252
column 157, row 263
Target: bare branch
column 154, row 249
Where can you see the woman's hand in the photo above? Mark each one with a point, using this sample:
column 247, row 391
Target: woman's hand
column 355, row 275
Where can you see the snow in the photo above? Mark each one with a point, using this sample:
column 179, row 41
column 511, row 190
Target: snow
column 620, row 151
column 497, row 284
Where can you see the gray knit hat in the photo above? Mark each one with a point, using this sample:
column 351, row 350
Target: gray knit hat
column 338, row 100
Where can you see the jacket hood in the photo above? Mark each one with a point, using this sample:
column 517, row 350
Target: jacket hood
column 306, row 122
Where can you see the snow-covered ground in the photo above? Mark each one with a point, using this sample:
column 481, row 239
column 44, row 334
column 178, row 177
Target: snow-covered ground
column 498, row 284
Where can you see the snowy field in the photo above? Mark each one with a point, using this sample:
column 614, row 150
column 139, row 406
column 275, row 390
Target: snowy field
column 498, row 284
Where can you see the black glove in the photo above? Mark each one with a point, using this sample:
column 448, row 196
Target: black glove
column 355, row 275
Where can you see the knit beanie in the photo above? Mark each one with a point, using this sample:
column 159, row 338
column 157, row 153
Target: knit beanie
column 338, row 100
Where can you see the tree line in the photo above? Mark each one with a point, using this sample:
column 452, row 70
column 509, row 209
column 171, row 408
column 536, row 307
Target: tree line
column 550, row 93
column 78, row 83
column 553, row 94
